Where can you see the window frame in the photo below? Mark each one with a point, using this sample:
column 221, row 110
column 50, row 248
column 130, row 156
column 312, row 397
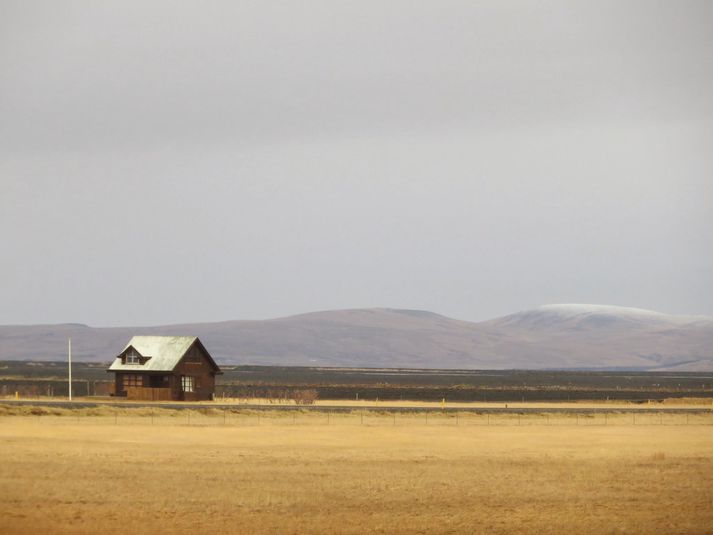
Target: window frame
column 132, row 379
column 188, row 383
column 132, row 357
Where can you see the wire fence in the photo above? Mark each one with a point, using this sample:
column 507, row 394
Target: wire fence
column 247, row 418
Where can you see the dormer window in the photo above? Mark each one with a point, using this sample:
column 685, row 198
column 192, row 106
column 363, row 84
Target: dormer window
column 132, row 357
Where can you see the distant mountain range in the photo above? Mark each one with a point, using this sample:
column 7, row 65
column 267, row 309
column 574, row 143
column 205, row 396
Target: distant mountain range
column 551, row 336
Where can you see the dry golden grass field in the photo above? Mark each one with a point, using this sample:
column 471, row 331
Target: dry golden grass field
column 108, row 472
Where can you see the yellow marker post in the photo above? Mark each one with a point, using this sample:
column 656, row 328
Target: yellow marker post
column 443, row 403
column 17, row 395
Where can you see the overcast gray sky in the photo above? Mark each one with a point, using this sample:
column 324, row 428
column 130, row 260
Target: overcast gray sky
column 170, row 162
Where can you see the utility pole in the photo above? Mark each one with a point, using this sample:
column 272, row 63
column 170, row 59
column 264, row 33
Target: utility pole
column 69, row 354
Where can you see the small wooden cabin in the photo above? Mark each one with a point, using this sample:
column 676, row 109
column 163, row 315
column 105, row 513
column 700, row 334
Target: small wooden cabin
column 171, row 368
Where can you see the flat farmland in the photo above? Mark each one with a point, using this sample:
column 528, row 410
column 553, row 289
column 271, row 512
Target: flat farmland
column 48, row 379
column 119, row 474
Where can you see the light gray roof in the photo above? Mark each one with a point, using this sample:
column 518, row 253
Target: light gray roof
column 165, row 353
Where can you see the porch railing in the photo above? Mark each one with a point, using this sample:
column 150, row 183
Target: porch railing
column 144, row 393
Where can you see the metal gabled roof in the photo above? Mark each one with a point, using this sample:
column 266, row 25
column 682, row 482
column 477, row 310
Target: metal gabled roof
column 163, row 353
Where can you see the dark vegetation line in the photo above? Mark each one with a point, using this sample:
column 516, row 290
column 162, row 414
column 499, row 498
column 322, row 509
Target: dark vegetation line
column 35, row 379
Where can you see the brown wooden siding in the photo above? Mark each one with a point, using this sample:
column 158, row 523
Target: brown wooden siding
column 119, row 384
column 148, row 394
column 195, row 364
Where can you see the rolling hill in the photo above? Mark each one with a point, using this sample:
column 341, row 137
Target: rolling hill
column 551, row 336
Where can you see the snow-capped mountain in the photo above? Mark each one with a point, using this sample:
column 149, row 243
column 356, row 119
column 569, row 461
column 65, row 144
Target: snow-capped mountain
column 561, row 336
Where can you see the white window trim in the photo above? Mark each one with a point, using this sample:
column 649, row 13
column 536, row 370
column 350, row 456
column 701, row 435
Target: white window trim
column 188, row 383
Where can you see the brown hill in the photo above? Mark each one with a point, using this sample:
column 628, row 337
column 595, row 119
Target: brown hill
column 554, row 336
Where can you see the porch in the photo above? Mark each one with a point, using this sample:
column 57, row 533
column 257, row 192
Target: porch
column 147, row 393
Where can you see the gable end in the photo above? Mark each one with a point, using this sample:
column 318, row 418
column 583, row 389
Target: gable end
column 197, row 355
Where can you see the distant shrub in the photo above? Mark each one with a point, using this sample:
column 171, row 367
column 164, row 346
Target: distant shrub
column 305, row 397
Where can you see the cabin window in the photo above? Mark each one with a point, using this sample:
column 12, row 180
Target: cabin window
column 187, row 383
column 131, row 379
column 132, row 358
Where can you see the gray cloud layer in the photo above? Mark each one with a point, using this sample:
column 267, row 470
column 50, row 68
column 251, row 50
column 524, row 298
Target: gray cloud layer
column 184, row 161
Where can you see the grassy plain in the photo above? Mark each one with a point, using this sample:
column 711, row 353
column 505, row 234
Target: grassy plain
column 114, row 473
